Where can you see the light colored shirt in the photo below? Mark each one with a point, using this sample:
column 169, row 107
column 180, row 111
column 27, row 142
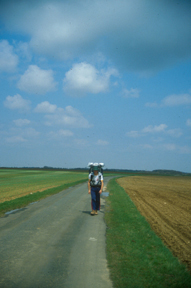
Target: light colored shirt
column 95, row 178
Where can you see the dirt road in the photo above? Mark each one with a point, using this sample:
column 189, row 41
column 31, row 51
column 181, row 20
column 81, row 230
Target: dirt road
column 54, row 243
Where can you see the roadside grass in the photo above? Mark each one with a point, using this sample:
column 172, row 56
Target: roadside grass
column 16, row 181
column 136, row 256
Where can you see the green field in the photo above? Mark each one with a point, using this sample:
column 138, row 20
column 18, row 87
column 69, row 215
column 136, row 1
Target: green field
column 20, row 187
column 137, row 258
column 16, row 183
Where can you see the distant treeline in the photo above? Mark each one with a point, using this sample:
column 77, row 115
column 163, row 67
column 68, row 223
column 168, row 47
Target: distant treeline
column 128, row 171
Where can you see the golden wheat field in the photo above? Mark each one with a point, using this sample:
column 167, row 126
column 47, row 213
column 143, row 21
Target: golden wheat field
column 15, row 183
column 166, row 204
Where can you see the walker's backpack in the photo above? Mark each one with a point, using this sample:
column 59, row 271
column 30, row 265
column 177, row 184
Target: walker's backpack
column 99, row 165
column 100, row 169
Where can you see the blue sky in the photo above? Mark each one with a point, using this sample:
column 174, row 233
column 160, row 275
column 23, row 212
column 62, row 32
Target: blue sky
column 95, row 81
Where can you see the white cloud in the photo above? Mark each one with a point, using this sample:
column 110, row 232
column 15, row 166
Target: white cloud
column 30, row 132
column 102, row 142
column 17, row 135
column 15, row 139
column 154, row 129
column 170, row 147
column 81, row 143
column 175, row 148
column 84, row 78
column 133, row 134
column 65, row 133
column 45, row 107
column 177, row 100
column 151, row 105
column 21, row 122
column 59, row 116
column 162, row 128
column 132, row 93
column 172, row 100
column 17, row 102
column 136, row 34
column 23, row 50
column 174, row 132
column 37, row 81
column 8, row 59
column 188, row 122
column 61, row 133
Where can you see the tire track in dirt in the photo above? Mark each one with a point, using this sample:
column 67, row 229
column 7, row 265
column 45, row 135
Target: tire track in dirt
column 165, row 203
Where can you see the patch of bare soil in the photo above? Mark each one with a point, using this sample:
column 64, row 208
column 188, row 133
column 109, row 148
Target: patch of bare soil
column 166, row 204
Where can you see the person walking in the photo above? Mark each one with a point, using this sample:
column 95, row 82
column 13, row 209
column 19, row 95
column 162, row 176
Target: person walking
column 95, row 188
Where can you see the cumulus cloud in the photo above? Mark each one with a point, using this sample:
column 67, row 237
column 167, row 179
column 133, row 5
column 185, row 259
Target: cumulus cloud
column 21, row 122
column 84, row 78
column 102, row 142
column 23, row 50
column 174, row 132
column 132, row 93
column 37, row 81
column 137, row 34
column 8, row 59
column 188, row 122
column 59, row 116
column 149, row 129
column 133, row 134
column 30, row 132
column 45, row 107
column 17, row 103
column 147, row 146
column 151, row 105
column 162, row 128
column 67, row 117
column 81, row 143
column 61, row 133
column 65, row 133
column 21, row 135
column 169, row 147
column 176, row 148
column 15, row 139
column 172, row 101
column 177, row 100
column 154, row 129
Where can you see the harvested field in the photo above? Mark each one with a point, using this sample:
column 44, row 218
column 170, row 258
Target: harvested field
column 166, row 204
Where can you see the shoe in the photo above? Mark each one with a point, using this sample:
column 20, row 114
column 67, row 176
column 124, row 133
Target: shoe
column 93, row 212
column 96, row 212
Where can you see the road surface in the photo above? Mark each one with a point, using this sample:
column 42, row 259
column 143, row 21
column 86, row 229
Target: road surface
column 55, row 243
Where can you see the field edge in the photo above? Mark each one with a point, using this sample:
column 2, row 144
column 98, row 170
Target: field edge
column 136, row 256
column 23, row 201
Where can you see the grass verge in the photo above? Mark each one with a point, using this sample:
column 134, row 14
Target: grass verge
column 25, row 200
column 136, row 256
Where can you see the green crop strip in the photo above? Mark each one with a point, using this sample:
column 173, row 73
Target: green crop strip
column 136, row 256
column 25, row 200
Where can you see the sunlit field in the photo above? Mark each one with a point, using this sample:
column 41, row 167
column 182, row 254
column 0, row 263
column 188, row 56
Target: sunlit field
column 15, row 183
column 165, row 203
